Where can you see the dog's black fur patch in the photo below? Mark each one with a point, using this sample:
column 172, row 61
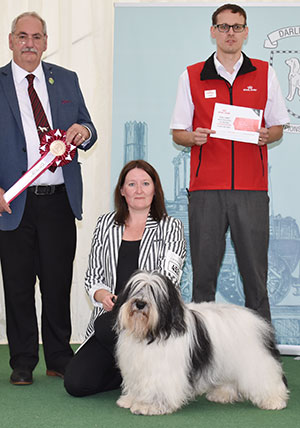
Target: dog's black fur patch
column 171, row 313
column 201, row 353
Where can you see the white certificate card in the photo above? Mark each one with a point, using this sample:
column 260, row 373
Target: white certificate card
column 236, row 123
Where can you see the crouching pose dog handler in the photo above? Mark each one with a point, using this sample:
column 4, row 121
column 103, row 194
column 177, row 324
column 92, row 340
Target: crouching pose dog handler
column 228, row 179
column 37, row 230
column 137, row 235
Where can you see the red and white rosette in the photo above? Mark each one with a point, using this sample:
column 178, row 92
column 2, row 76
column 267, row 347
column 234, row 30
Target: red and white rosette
column 54, row 142
column 55, row 152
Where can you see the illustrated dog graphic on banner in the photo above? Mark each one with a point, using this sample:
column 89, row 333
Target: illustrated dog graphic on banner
column 287, row 65
column 294, row 77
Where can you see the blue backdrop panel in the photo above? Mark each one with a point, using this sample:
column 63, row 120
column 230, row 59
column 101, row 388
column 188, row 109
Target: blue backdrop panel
column 153, row 45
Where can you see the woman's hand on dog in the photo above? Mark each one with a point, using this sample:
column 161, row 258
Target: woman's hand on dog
column 106, row 298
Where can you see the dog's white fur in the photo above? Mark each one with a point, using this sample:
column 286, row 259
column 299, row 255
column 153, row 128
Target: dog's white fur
column 169, row 352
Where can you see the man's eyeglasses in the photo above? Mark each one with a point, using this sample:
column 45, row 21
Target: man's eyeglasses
column 224, row 28
column 23, row 37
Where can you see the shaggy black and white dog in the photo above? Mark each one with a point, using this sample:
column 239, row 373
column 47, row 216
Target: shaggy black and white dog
column 169, row 352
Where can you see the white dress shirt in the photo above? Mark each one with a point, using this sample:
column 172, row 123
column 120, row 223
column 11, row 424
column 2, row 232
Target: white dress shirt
column 29, row 125
column 183, row 113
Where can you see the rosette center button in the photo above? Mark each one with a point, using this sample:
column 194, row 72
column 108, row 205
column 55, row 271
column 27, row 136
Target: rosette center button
column 57, row 148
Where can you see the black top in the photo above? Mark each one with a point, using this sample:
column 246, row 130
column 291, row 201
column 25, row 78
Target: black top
column 127, row 262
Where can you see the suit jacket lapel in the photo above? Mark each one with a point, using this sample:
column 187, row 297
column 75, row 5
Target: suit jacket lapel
column 147, row 241
column 114, row 239
column 52, row 92
column 7, row 81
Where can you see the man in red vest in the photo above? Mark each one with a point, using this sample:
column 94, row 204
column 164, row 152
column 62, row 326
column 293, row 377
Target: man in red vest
column 228, row 179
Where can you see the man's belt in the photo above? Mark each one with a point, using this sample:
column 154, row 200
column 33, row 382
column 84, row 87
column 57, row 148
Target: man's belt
column 47, row 190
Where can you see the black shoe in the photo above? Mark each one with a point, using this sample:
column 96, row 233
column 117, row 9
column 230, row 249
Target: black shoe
column 21, row 376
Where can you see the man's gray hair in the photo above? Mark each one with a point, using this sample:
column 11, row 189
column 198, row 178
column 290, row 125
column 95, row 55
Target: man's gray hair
column 33, row 15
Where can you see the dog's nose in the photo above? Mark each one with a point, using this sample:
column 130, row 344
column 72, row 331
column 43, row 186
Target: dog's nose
column 140, row 304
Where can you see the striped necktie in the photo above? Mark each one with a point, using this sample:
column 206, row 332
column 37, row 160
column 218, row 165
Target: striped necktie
column 40, row 117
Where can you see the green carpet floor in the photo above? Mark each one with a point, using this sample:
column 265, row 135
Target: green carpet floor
column 46, row 404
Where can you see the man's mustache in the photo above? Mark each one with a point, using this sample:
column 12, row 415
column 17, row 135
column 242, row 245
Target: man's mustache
column 29, row 50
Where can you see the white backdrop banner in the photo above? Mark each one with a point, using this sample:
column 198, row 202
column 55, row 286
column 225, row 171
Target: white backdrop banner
column 153, row 46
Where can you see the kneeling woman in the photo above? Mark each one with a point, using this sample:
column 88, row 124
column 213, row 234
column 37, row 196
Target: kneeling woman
column 137, row 235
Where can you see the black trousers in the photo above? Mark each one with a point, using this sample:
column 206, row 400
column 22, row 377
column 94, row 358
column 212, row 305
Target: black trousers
column 42, row 246
column 93, row 368
column 211, row 212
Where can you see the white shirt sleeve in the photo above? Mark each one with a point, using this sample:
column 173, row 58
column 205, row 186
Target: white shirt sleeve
column 183, row 112
column 275, row 111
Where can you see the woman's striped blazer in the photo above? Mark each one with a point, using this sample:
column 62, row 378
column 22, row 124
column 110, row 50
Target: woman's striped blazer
column 162, row 248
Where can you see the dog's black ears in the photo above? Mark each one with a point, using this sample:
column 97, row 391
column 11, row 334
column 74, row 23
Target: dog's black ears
column 172, row 288
column 172, row 311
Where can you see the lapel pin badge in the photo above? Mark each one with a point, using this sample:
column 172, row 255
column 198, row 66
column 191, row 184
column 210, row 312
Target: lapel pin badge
column 51, row 80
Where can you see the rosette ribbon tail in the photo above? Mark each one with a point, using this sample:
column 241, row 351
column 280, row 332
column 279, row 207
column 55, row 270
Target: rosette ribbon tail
column 55, row 151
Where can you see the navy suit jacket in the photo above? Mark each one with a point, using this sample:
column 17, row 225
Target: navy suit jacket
column 67, row 107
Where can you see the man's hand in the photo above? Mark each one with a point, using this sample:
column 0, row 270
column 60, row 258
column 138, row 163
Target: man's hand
column 201, row 134
column 269, row 135
column 77, row 134
column 263, row 136
column 190, row 139
column 4, row 207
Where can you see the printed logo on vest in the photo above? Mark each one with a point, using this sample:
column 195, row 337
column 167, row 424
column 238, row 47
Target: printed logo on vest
column 250, row 89
column 212, row 93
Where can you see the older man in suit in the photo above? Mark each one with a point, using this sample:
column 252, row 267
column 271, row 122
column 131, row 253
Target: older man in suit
column 37, row 230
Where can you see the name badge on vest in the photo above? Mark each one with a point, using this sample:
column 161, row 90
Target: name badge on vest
column 212, row 93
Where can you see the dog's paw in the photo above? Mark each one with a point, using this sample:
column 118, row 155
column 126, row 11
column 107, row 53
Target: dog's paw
column 275, row 403
column 149, row 409
column 125, row 401
column 223, row 394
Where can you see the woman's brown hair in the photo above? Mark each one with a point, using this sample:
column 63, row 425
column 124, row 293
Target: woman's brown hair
column 158, row 208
